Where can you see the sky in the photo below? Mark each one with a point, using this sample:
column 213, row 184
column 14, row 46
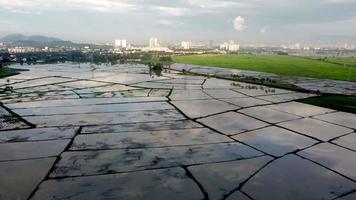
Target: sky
column 245, row 21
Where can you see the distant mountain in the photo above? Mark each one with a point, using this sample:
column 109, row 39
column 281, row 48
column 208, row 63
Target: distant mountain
column 11, row 38
column 40, row 41
column 39, row 44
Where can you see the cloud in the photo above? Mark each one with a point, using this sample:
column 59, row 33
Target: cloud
column 264, row 29
column 216, row 4
column 341, row 1
column 22, row 11
column 203, row 19
column 169, row 23
column 103, row 5
column 14, row 3
column 239, row 23
column 18, row 6
column 174, row 11
column 35, row 6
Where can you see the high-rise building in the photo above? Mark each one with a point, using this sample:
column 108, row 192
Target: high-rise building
column 120, row 43
column 211, row 44
column 123, row 43
column 297, row 46
column 154, row 42
column 186, row 44
column 224, row 46
column 156, row 45
column 117, row 43
column 233, row 46
column 230, row 46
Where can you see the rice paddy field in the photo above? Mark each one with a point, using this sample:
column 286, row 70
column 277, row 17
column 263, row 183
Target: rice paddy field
column 5, row 73
column 348, row 61
column 336, row 102
column 277, row 64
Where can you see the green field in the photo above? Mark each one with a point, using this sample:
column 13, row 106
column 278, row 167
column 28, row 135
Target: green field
column 350, row 61
column 5, row 73
column 282, row 65
column 336, row 102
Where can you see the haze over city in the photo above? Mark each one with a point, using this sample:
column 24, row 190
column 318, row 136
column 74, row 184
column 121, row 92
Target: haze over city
column 246, row 21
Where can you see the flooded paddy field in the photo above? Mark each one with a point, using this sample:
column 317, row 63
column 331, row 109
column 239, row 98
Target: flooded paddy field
column 72, row 131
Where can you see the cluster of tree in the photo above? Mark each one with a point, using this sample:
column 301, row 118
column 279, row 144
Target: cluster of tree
column 154, row 60
column 46, row 57
column 78, row 56
column 281, row 53
column 70, row 56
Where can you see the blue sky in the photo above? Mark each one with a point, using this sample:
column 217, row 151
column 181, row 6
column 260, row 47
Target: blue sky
column 247, row 21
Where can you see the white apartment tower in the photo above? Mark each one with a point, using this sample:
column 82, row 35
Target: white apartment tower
column 230, row 46
column 233, row 46
column 120, row 43
column 186, row 44
column 154, row 43
column 123, row 43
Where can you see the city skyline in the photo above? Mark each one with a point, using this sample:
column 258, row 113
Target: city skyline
column 254, row 21
column 155, row 44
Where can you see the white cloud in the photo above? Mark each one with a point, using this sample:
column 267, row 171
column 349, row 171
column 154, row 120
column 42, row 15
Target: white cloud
column 21, row 11
column 169, row 23
column 165, row 22
column 239, row 23
column 203, row 19
column 264, row 29
column 216, row 4
column 341, row 1
column 18, row 6
column 174, row 11
column 102, row 5
column 35, row 6
column 14, row 3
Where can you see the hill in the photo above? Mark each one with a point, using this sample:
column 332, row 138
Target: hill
column 11, row 38
column 41, row 41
